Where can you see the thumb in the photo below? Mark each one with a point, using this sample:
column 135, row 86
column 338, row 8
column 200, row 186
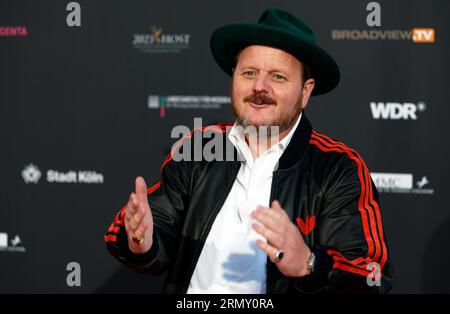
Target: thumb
column 276, row 205
column 141, row 189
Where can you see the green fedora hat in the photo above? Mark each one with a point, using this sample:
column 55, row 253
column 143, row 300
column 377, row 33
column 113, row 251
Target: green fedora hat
column 279, row 29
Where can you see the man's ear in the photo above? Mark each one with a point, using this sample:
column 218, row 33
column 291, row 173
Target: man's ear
column 307, row 89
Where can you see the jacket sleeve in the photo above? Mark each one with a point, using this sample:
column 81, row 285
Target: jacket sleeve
column 351, row 255
column 168, row 199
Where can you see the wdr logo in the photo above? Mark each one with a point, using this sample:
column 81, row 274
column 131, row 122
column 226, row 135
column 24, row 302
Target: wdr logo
column 396, row 111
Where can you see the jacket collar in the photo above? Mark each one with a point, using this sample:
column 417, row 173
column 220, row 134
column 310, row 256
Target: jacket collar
column 298, row 144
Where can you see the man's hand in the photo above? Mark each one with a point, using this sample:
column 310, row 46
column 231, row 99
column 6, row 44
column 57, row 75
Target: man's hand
column 282, row 234
column 139, row 220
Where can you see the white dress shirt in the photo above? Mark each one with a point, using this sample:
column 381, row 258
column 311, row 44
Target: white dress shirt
column 230, row 261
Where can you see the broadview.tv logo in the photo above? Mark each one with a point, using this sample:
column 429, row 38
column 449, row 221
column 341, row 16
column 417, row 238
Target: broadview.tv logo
column 423, row 35
column 416, row 35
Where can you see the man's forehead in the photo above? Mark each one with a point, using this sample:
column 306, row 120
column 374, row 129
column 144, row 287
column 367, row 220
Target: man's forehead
column 257, row 54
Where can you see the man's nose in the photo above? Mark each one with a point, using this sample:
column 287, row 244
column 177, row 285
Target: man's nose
column 261, row 83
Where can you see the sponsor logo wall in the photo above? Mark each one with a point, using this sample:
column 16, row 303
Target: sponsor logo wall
column 85, row 109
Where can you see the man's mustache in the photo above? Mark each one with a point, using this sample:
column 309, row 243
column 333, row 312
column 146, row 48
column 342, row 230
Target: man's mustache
column 260, row 99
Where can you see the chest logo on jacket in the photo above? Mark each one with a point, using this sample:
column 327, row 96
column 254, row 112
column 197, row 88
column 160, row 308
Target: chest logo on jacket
column 307, row 226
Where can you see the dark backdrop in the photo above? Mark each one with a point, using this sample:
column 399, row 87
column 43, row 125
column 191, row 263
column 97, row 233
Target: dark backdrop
column 93, row 102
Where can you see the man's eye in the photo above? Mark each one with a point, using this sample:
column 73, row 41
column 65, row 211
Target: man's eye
column 279, row 77
column 249, row 73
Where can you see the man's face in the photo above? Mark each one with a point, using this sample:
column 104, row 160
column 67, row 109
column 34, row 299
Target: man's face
column 267, row 88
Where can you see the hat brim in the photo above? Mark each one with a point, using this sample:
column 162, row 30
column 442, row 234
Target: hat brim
column 227, row 40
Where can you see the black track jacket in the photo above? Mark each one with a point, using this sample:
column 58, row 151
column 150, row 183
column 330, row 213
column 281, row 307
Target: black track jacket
column 323, row 185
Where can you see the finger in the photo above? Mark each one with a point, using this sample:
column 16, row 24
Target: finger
column 271, row 220
column 275, row 214
column 134, row 202
column 141, row 189
column 131, row 208
column 127, row 211
column 139, row 215
column 133, row 224
column 277, row 206
column 267, row 248
column 272, row 237
column 140, row 231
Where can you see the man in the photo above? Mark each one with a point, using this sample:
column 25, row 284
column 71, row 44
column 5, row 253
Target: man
column 299, row 215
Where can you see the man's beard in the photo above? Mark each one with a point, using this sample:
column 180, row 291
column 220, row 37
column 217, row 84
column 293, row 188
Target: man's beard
column 279, row 124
